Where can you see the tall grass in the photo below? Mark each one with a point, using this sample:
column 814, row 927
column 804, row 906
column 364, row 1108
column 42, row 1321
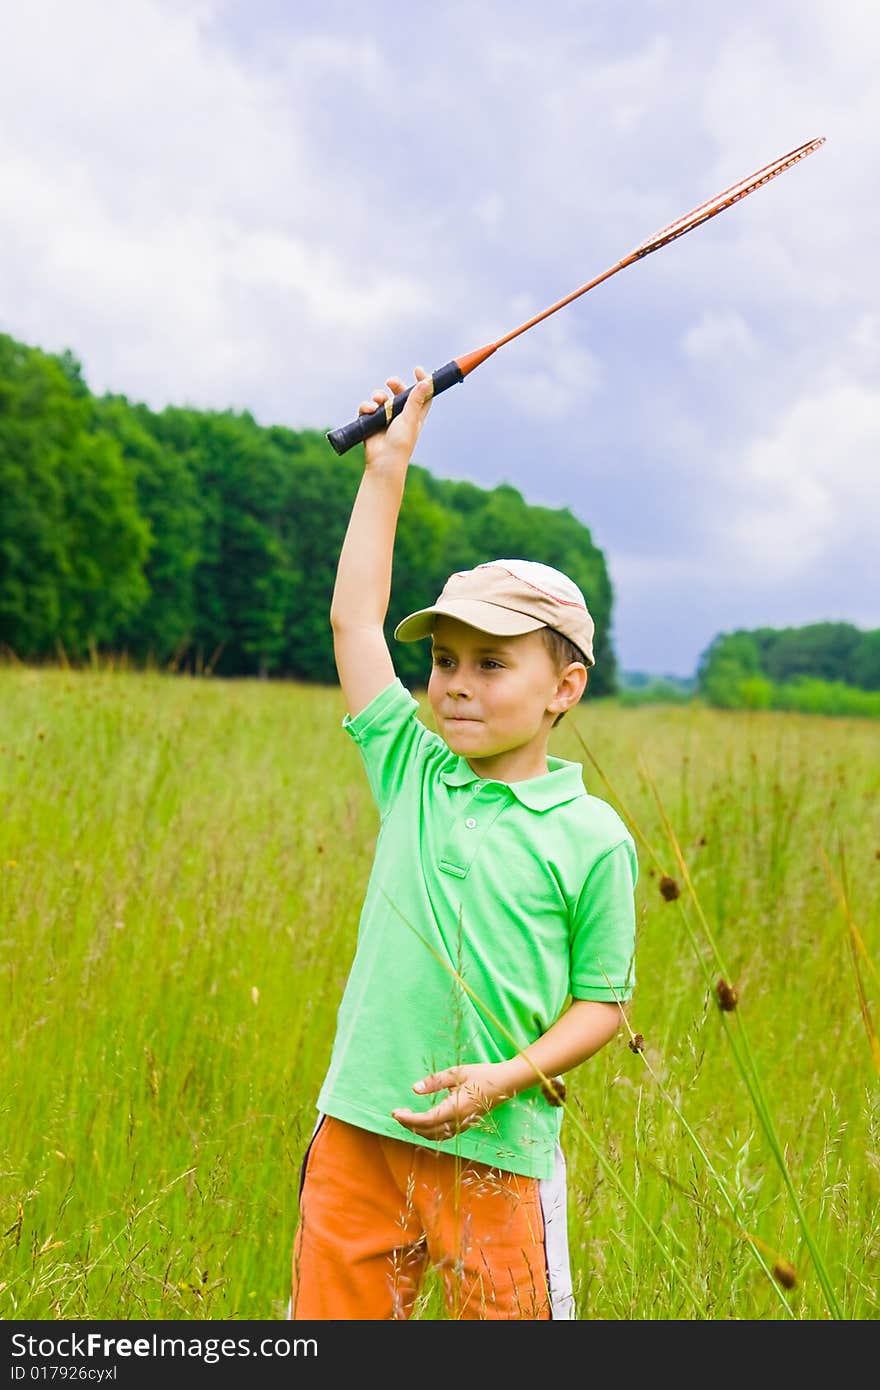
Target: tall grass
column 182, row 864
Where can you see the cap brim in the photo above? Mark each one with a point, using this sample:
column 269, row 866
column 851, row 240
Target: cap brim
column 486, row 617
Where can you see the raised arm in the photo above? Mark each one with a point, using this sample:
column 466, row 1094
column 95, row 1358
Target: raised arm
column 363, row 574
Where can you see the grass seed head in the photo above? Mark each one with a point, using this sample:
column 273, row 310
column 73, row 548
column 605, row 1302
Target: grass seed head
column 728, row 997
column 785, row 1274
column 637, row 1043
column 669, row 888
column 555, row 1093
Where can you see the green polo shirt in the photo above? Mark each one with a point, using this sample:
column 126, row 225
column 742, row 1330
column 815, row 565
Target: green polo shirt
column 523, row 889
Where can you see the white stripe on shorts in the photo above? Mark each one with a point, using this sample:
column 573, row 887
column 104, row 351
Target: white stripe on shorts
column 553, row 1192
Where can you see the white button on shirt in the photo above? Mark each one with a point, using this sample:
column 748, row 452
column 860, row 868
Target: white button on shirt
column 470, row 822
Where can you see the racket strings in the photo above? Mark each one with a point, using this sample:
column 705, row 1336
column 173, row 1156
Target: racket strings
column 726, row 199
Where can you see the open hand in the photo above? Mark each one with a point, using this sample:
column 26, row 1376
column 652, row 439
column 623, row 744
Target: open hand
column 474, row 1090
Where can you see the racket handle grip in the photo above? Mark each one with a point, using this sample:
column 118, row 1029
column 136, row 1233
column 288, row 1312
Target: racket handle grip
column 356, row 431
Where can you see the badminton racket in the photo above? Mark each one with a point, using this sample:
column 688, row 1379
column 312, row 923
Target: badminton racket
column 346, row 436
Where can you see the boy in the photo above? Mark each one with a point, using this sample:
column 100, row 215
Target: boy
column 499, row 890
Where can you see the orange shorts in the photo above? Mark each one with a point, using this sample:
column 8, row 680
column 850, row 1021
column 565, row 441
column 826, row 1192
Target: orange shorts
column 377, row 1213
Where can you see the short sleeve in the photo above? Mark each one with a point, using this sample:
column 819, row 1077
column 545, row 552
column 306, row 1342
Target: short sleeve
column 389, row 736
column 604, row 928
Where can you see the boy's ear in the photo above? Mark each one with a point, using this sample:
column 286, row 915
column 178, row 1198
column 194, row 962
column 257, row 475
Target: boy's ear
column 579, row 674
column 572, row 683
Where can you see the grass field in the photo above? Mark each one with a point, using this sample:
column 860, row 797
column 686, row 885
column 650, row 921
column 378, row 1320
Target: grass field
column 182, row 864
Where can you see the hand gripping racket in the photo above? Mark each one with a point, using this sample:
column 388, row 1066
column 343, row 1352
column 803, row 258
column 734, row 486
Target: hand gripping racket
column 346, row 436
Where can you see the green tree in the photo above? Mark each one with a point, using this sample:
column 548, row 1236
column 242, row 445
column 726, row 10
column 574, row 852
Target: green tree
column 35, row 425
column 729, row 662
column 821, row 650
column 72, row 543
column 865, row 666
column 106, row 542
column 827, row 654
column 244, row 580
column 169, row 502
column 320, row 495
column 203, row 539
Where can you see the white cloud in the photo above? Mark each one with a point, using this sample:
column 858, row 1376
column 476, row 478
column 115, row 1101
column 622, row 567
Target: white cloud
column 546, row 375
column 489, row 212
column 718, row 335
column 771, row 88
column 809, row 491
column 159, row 215
column 273, row 206
column 865, row 341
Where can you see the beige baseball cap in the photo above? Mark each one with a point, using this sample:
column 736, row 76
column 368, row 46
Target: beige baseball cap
column 509, row 597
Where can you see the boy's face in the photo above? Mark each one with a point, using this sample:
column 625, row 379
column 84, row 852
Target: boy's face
column 491, row 695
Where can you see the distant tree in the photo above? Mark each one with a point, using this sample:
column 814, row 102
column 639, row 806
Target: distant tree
column 71, row 368
column 170, row 503
column 810, row 696
column 822, row 650
column 72, row 543
column 865, row 667
column 243, row 579
column 791, row 668
column 755, row 692
column 37, row 422
column 106, row 542
column 315, row 516
column 202, row 539
column 730, row 660
column 654, row 690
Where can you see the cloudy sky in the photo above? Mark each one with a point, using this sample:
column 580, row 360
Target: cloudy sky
column 271, row 205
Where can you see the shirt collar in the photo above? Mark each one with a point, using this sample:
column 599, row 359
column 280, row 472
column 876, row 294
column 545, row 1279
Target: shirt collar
column 562, row 782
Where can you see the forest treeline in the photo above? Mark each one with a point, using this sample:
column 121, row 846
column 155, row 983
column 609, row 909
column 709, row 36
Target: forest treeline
column 201, row 540
column 821, row 668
